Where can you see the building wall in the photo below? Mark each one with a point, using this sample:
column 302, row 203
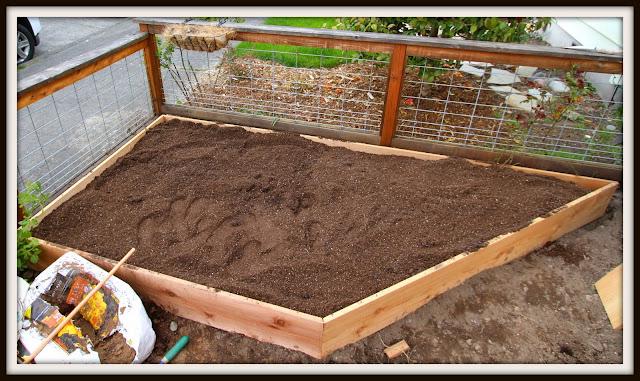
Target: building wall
column 593, row 33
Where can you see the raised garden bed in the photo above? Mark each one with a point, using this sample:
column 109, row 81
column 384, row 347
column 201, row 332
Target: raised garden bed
column 312, row 228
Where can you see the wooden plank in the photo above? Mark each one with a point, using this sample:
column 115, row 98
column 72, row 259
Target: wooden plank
column 510, row 58
column 396, row 349
column 597, row 170
column 88, row 178
column 319, row 337
column 272, row 124
column 316, row 42
column 371, row 314
column 74, row 63
column 418, row 41
column 395, row 80
column 374, row 149
column 609, row 289
column 210, row 123
column 230, row 312
column 42, row 89
column 154, row 78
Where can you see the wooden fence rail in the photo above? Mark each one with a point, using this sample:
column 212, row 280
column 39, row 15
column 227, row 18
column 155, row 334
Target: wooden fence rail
column 38, row 86
column 398, row 46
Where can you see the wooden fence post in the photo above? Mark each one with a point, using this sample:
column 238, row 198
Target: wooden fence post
column 394, row 93
column 154, row 76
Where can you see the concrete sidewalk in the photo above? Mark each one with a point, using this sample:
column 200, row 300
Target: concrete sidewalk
column 65, row 38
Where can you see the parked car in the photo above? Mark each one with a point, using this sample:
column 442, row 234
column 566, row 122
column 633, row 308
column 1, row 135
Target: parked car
column 28, row 37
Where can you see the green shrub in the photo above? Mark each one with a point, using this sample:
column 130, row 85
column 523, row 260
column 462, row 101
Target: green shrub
column 29, row 200
column 503, row 29
column 499, row 29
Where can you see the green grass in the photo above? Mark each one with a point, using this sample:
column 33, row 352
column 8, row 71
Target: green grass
column 308, row 57
column 614, row 153
column 302, row 22
column 286, row 54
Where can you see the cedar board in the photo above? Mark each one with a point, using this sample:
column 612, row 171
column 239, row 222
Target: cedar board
column 319, row 336
column 609, row 289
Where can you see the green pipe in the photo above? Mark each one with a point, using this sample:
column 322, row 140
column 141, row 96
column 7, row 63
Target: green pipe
column 175, row 350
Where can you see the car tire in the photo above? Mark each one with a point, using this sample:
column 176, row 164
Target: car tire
column 26, row 44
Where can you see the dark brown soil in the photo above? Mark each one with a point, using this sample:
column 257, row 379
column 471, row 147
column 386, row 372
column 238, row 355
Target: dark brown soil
column 542, row 308
column 292, row 222
column 112, row 349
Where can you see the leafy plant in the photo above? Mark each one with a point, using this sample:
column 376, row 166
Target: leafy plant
column 30, row 200
column 184, row 76
column 501, row 29
column 186, row 83
column 550, row 110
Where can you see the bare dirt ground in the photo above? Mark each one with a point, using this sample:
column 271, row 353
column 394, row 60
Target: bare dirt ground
column 539, row 309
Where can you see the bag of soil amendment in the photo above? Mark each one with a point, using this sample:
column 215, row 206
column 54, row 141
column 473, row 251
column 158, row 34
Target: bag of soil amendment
column 112, row 327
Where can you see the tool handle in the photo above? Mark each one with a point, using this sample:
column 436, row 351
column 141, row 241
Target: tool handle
column 175, row 350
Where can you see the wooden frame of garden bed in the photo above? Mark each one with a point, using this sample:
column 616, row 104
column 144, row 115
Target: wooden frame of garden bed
column 319, row 336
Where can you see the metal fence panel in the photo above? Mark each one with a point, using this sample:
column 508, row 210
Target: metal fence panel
column 64, row 134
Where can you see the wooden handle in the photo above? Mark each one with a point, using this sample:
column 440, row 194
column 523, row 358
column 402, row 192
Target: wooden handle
column 84, row 301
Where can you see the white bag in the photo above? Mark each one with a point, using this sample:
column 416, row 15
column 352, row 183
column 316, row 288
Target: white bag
column 133, row 322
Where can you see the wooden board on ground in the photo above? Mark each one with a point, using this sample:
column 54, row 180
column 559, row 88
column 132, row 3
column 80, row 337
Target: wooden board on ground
column 396, row 349
column 609, row 288
column 318, row 336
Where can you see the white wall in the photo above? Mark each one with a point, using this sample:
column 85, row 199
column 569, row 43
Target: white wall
column 594, row 33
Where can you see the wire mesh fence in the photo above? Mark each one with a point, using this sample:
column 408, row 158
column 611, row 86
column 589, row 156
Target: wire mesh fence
column 565, row 114
column 331, row 88
column 62, row 135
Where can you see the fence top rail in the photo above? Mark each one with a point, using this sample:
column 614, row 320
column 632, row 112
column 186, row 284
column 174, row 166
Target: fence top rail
column 371, row 37
column 76, row 63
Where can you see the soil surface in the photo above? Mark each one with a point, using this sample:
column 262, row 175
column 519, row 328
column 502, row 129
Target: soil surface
column 112, row 349
column 542, row 308
column 285, row 220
